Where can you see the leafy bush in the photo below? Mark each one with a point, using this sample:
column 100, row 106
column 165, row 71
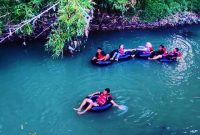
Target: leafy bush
column 155, row 9
column 194, row 5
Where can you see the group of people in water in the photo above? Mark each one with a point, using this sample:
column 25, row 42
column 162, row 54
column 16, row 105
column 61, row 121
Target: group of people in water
column 154, row 55
column 105, row 96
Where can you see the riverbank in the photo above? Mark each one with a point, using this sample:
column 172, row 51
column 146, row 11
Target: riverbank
column 105, row 22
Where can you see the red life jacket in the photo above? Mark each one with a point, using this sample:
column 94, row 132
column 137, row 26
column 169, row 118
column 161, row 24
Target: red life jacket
column 164, row 51
column 100, row 56
column 101, row 100
column 179, row 54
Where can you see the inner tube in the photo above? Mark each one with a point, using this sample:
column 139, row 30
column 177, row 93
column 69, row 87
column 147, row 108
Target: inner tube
column 142, row 52
column 102, row 108
column 101, row 62
column 167, row 60
column 126, row 56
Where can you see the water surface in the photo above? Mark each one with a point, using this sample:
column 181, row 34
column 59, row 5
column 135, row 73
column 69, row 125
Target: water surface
column 37, row 93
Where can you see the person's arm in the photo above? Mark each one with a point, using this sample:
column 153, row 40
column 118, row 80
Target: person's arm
column 130, row 50
column 103, row 53
column 173, row 55
column 94, row 58
column 96, row 55
column 94, row 93
column 114, row 104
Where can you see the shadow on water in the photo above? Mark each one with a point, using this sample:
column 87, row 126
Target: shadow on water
column 16, row 52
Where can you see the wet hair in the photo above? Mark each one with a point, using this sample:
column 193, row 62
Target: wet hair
column 107, row 89
column 177, row 49
column 99, row 48
column 162, row 46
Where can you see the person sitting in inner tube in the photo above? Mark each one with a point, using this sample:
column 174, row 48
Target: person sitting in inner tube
column 157, row 54
column 171, row 55
column 147, row 48
column 121, row 51
column 104, row 97
column 101, row 55
column 174, row 54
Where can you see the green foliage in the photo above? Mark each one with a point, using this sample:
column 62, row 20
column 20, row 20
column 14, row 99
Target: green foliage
column 71, row 15
column 71, row 23
column 155, row 9
column 14, row 12
column 26, row 30
column 194, row 5
column 174, row 7
column 1, row 27
column 119, row 5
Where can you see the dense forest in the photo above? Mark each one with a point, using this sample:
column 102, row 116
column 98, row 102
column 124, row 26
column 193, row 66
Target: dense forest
column 65, row 21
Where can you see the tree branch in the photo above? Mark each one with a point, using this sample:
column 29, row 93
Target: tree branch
column 23, row 23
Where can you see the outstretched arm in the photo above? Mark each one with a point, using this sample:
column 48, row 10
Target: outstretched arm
column 114, row 104
column 130, row 50
column 94, row 93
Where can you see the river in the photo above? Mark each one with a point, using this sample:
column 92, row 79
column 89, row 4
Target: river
column 38, row 93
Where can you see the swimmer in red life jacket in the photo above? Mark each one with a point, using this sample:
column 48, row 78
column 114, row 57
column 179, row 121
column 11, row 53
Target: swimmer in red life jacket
column 157, row 54
column 171, row 55
column 174, row 54
column 101, row 55
column 103, row 98
column 120, row 51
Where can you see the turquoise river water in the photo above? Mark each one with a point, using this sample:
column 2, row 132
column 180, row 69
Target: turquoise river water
column 37, row 93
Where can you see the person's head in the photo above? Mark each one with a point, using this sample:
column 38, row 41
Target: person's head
column 99, row 50
column 121, row 46
column 175, row 50
column 161, row 47
column 148, row 45
column 106, row 91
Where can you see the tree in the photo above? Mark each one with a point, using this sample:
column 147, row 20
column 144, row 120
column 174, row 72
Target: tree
column 20, row 18
column 155, row 9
